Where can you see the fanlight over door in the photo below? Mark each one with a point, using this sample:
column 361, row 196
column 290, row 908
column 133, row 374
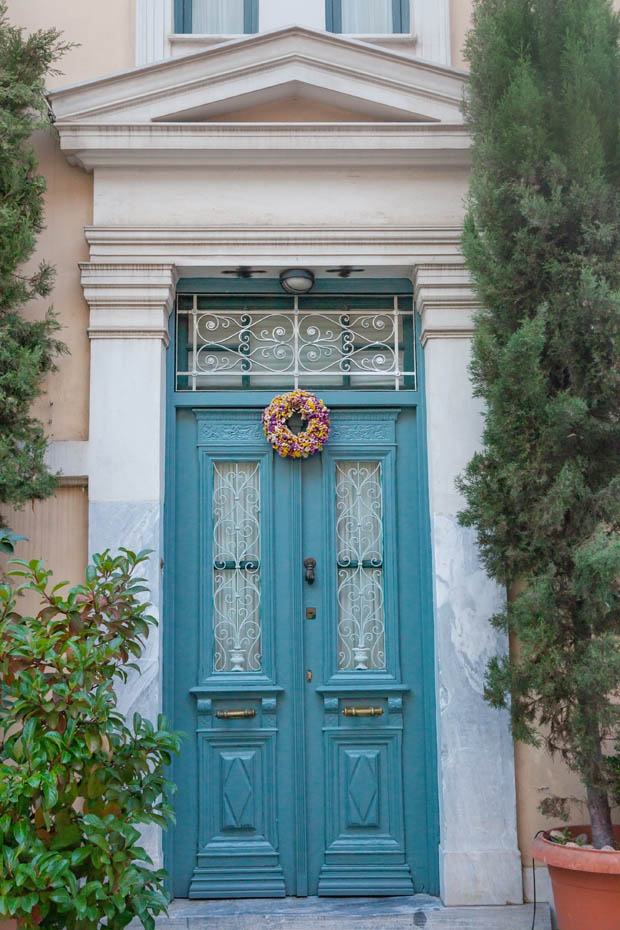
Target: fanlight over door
column 316, row 341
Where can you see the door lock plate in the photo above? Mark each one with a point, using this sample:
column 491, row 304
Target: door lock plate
column 310, row 613
column 309, row 675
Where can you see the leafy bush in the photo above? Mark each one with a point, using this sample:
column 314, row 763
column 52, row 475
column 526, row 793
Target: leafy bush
column 75, row 780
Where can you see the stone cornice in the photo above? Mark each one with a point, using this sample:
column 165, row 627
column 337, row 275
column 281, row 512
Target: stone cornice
column 195, row 248
column 129, row 300
column 94, row 145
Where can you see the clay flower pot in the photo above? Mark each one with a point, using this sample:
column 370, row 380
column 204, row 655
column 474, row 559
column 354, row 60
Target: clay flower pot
column 586, row 882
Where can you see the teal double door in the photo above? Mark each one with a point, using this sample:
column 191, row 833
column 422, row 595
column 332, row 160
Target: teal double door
column 302, row 668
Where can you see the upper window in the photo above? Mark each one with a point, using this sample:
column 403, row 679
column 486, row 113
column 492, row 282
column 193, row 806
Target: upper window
column 372, row 17
column 216, row 17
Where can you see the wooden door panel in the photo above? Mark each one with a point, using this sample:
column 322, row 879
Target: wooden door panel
column 356, row 726
column 236, row 696
column 237, row 792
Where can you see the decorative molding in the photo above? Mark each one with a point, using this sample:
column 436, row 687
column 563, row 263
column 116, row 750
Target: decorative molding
column 444, row 333
column 445, row 299
column 73, row 481
column 129, row 300
column 91, row 146
column 200, row 251
column 229, row 428
column 186, row 44
column 374, row 427
column 128, row 332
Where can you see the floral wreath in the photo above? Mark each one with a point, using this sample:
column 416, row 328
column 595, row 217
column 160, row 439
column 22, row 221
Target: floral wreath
column 280, row 435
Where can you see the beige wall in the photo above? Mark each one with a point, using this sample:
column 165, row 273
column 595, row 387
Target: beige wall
column 460, row 15
column 63, row 408
column 56, row 531
column 104, row 33
column 537, row 776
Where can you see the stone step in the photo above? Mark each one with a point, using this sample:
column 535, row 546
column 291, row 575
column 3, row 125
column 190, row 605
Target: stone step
column 411, row 913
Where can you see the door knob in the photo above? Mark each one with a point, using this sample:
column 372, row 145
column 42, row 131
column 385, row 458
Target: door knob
column 310, row 565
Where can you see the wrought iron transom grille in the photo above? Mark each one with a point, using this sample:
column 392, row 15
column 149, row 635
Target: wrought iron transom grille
column 317, row 341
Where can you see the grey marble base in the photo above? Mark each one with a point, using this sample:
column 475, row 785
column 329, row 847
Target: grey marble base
column 399, row 913
column 479, row 858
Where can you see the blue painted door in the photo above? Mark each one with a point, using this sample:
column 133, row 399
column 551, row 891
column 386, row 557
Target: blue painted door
column 302, row 658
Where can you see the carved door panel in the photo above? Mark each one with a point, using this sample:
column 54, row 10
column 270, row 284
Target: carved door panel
column 299, row 670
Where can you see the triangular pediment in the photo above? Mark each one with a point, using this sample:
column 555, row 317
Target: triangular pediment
column 299, row 107
column 289, row 75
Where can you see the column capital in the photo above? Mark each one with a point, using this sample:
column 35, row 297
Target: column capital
column 127, row 300
column 445, row 300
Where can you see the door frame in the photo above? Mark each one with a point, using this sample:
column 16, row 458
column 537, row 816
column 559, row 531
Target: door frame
column 334, row 398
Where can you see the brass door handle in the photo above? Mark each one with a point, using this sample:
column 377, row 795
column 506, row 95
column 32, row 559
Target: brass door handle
column 237, row 713
column 362, row 711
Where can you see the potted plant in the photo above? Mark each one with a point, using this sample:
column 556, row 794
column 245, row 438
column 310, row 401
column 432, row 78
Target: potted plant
column 76, row 782
column 542, row 242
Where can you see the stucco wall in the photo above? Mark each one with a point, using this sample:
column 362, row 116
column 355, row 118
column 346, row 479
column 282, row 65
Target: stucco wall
column 460, row 15
column 103, row 33
column 56, row 532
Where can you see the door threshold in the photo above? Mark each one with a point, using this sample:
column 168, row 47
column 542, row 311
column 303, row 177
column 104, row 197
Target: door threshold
column 312, row 913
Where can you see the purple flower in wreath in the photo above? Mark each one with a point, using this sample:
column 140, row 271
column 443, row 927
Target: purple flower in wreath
column 275, row 424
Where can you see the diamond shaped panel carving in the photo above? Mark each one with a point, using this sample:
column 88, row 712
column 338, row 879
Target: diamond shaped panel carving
column 238, row 791
column 363, row 788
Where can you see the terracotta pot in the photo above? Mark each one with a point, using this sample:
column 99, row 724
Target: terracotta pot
column 586, row 882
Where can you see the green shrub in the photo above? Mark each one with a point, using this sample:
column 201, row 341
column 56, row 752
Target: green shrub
column 29, row 346
column 75, row 780
column 542, row 242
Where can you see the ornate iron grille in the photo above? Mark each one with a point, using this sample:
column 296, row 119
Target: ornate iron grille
column 236, row 566
column 359, row 541
column 313, row 342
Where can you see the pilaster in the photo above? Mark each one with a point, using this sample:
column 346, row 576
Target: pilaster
column 479, row 857
column 129, row 308
column 431, row 24
column 154, row 23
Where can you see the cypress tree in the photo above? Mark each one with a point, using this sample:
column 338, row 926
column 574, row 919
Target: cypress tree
column 28, row 347
column 542, row 242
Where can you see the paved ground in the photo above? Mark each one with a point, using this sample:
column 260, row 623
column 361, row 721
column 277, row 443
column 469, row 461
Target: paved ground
column 398, row 913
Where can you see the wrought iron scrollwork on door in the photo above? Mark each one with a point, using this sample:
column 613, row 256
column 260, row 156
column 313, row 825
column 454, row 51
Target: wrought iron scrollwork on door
column 236, row 567
column 359, row 552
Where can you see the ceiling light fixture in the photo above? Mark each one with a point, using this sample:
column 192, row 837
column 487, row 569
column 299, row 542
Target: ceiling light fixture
column 297, row 280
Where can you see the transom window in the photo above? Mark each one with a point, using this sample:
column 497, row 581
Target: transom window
column 372, row 17
column 216, row 17
column 232, row 342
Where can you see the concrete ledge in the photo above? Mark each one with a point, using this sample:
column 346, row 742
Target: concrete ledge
column 401, row 913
